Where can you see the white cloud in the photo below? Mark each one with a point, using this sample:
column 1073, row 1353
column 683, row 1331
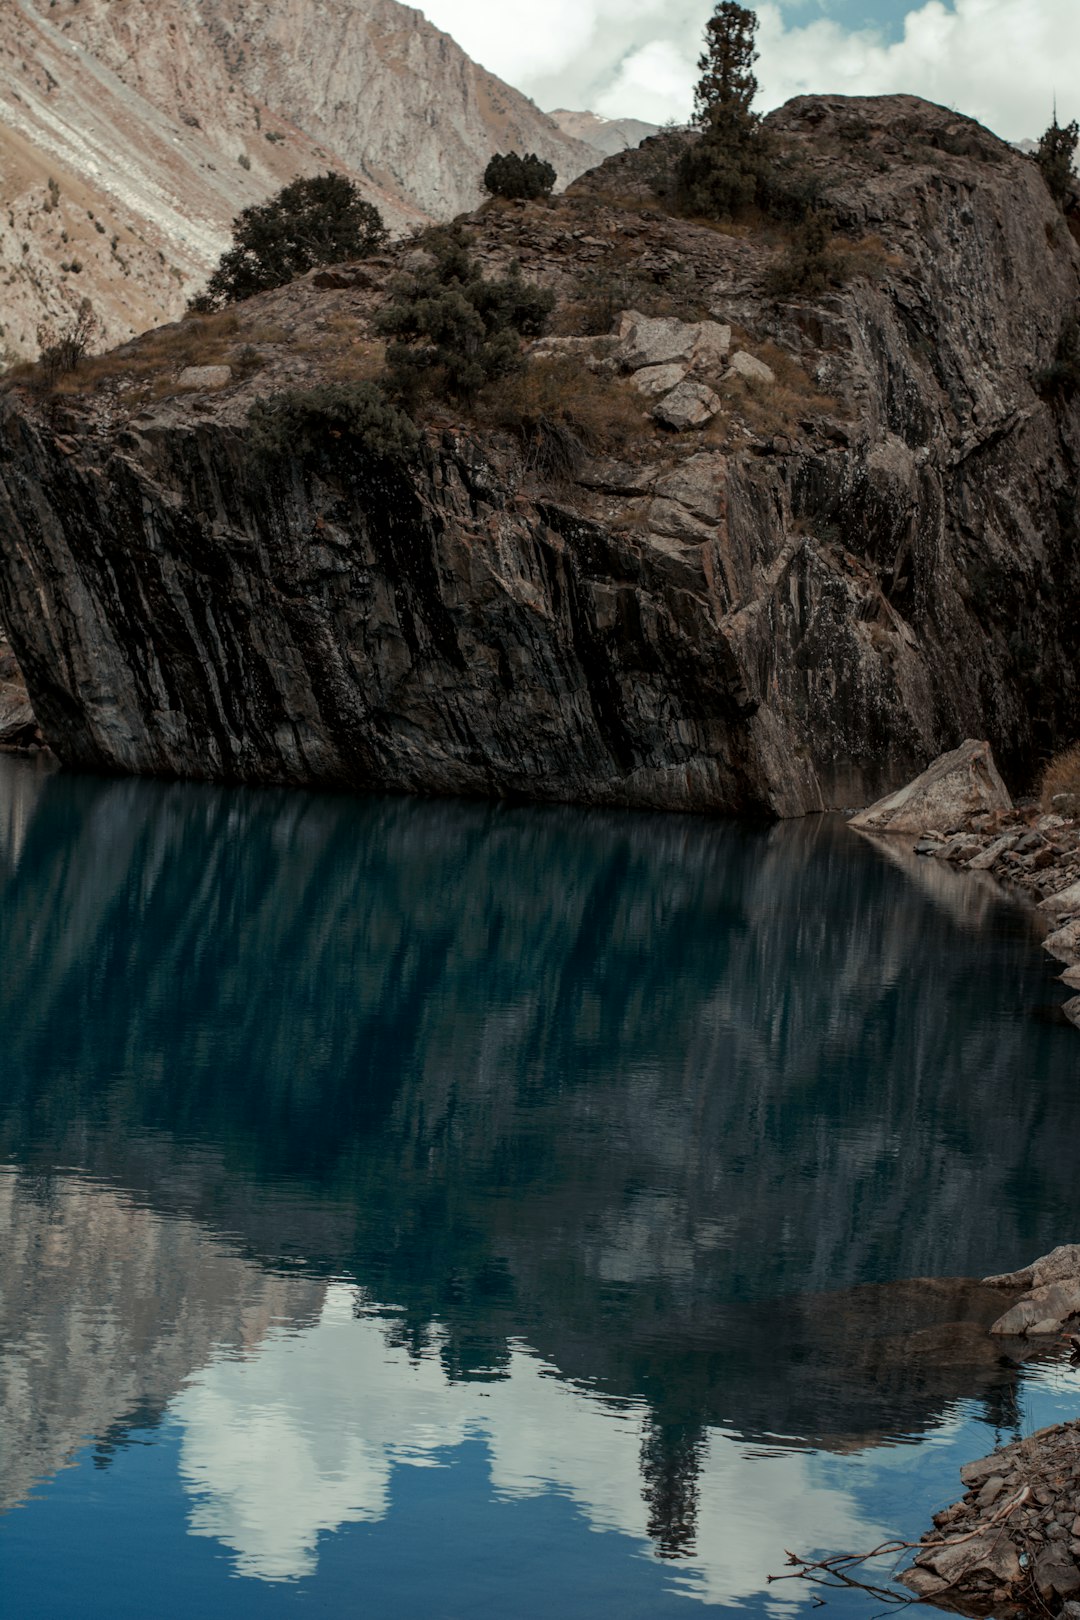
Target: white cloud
column 998, row 60
column 288, row 1443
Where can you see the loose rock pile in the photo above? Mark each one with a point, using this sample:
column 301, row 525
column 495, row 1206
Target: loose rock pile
column 1012, row 1544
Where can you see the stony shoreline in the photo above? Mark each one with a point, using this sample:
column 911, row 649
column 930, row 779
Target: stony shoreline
column 1011, row 1544
column 1033, row 852
column 959, row 810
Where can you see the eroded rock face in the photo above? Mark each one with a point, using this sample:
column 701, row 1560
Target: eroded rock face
column 18, row 726
column 777, row 612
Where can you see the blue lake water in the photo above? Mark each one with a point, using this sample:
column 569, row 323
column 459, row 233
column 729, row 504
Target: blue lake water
column 438, row 1209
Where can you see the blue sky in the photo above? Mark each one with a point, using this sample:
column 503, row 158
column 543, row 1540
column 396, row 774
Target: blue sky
column 1001, row 61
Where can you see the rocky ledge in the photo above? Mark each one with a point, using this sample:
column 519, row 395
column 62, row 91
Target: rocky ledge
column 19, row 730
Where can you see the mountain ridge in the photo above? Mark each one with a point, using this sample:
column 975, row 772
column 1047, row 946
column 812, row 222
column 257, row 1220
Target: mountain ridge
column 157, row 127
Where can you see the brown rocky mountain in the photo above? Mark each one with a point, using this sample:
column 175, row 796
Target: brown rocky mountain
column 808, row 536
column 130, row 136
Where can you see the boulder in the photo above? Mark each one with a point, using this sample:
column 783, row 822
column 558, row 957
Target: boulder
column 990, row 1554
column 711, row 348
column 744, row 365
column 1064, row 943
column 1052, row 1296
column 205, row 377
column 657, row 380
column 655, row 341
column 690, row 405
column 1055, row 1574
column 1063, row 903
column 958, row 784
column 699, row 485
column 663, row 341
column 1043, row 1310
column 985, row 859
column 558, row 348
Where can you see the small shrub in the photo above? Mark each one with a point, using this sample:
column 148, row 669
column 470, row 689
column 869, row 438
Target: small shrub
column 1057, row 149
column 605, row 292
column 64, row 351
column 508, row 175
column 1059, row 790
column 561, row 412
column 811, row 262
column 451, row 330
column 314, row 220
column 246, row 362
column 302, row 421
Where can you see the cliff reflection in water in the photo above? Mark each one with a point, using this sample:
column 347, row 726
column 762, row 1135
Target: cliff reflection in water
column 626, row 1098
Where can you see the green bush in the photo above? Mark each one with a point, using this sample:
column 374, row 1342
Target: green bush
column 302, row 422
column 452, row 330
column 1057, row 149
column 737, row 165
column 314, row 220
column 811, row 262
column 508, row 175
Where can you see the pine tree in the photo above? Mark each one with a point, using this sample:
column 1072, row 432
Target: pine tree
column 1055, row 155
column 508, row 175
column 721, row 175
column 318, row 219
column 727, row 87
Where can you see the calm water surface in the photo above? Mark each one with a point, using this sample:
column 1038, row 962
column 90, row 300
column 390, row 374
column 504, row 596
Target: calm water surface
column 428, row 1210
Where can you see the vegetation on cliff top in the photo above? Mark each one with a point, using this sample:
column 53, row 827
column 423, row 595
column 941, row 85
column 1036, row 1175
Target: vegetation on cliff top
column 315, row 220
column 452, row 329
column 508, row 175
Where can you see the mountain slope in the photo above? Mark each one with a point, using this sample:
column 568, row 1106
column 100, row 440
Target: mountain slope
column 606, row 135
column 158, row 124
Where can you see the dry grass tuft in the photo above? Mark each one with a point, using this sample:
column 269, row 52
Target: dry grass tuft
column 1059, row 790
column 148, row 367
column 562, row 412
column 778, row 407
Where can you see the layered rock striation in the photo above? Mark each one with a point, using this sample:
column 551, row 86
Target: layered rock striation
column 851, row 554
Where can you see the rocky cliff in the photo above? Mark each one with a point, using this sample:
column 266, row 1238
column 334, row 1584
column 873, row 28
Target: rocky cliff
column 835, row 536
column 156, row 124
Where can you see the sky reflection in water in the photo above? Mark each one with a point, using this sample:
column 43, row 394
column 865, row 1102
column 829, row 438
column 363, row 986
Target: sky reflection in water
column 393, row 1194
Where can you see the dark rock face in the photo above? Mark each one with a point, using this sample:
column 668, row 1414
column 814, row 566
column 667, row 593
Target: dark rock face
column 790, row 621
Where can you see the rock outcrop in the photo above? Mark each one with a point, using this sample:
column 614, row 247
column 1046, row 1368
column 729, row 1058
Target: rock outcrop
column 18, row 726
column 962, row 783
column 852, row 568
column 1051, row 1295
